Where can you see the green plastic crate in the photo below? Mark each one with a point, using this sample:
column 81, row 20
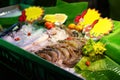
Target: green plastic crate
column 31, row 66
column 8, row 73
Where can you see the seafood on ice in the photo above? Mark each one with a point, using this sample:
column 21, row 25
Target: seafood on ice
column 66, row 53
column 58, row 45
column 31, row 39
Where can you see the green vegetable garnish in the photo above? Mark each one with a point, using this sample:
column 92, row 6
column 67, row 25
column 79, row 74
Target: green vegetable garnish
column 93, row 49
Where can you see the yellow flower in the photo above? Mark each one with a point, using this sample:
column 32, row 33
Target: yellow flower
column 104, row 26
column 93, row 48
column 99, row 48
column 33, row 13
column 90, row 17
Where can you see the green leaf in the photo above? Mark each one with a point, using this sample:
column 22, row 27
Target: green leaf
column 100, row 75
column 60, row 2
column 104, row 69
column 94, row 66
column 71, row 10
column 112, row 42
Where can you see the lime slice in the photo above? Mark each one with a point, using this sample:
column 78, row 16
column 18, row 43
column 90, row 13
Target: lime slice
column 56, row 18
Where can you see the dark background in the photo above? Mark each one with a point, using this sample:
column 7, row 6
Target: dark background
column 107, row 8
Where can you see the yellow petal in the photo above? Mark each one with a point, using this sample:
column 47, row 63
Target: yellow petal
column 33, row 13
column 104, row 26
column 90, row 17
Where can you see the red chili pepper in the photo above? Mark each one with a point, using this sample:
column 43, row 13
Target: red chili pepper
column 29, row 34
column 77, row 18
column 17, row 39
column 87, row 63
column 69, row 38
column 23, row 12
column 22, row 18
column 83, row 13
column 92, row 25
column 49, row 25
column 87, row 29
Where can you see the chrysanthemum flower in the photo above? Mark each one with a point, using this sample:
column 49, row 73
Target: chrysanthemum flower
column 31, row 14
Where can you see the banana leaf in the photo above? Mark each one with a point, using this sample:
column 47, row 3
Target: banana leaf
column 104, row 69
column 101, row 75
column 112, row 42
column 61, row 7
column 70, row 9
column 107, row 68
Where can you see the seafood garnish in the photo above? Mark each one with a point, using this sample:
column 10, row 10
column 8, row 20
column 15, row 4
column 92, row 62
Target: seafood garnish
column 66, row 53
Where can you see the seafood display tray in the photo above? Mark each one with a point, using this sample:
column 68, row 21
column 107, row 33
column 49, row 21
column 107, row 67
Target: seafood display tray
column 29, row 65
